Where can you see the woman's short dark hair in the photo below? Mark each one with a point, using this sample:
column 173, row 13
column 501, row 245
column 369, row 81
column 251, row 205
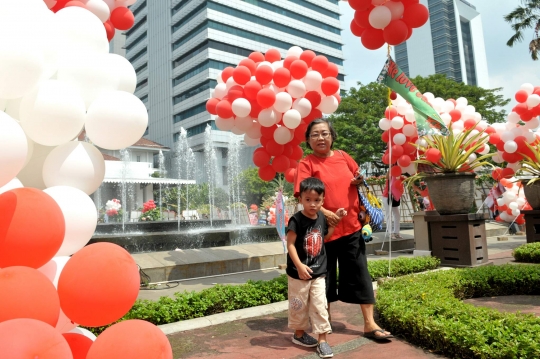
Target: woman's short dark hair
column 318, row 121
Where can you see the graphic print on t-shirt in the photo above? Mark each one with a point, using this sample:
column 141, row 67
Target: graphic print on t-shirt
column 313, row 242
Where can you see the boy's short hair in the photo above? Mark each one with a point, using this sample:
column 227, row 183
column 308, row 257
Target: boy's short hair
column 312, row 184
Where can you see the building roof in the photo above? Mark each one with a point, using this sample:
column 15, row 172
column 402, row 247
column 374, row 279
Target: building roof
column 142, row 142
column 107, row 157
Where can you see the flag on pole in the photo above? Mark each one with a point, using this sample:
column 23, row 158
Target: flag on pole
column 280, row 218
column 428, row 120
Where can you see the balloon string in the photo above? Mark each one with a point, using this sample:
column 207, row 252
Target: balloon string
column 389, row 214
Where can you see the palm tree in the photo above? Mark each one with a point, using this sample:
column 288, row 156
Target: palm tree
column 525, row 17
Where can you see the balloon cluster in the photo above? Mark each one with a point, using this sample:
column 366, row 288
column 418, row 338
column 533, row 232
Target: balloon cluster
column 400, row 132
column 272, row 215
column 271, row 101
column 114, row 14
column 56, row 76
column 512, row 202
column 112, row 207
column 377, row 22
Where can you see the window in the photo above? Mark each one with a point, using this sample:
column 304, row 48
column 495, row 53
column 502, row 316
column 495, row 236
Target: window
column 136, row 26
column 190, row 35
column 195, row 110
column 146, row 132
column 136, row 42
column 208, row 64
column 195, row 130
column 185, row 19
column 141, row 7
column 144, row 99
column 319, row 9
column 139, row 55
column 210, row 84
column 141, row 68
column 225, row 176
column 138, row 158
column 179, row 6
column 141, row 85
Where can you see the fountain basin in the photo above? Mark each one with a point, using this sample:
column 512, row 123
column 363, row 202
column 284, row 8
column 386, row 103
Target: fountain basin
column 187, row 239
column 157, row 226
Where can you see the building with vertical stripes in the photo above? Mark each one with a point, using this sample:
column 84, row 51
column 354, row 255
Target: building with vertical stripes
column 178, row 47
column 451, row 43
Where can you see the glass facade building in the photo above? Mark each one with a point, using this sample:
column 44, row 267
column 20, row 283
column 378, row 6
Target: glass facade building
column 451, row 43
column 178, row 47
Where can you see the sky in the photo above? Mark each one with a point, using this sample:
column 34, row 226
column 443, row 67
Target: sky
column 508, row 67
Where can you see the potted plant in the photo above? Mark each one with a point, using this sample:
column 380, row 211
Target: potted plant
column 530, row 173
column 447, row 165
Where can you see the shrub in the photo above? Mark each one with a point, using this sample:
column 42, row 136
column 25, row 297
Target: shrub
column 528, row 253
column 401, row 266
column 427, row 310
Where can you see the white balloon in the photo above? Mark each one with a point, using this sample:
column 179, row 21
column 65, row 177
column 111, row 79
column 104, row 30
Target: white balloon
column 471, row 158
column 397, row 122
column 224, row 124
column 282, row 135
column 533, row 100
column 429, row 96
column 399, row 139
column 241, row 107
column 530, row 137
column 267, row 117
column 296, row 88
column 243, row 123
column 230, row 83
column 295, row 51
column 302, row 105
column 220, row 91
column 384, row 124
column 251, row 141
column 80, row 216
column 237, row 130
column 510, row 146
column 13, row 148
column 527, row 87
column 75, row 164
column 446, row 118
column 53, row 113
column 513, row 117
column 277, row 64
column 402, row 108
column 255, row 130
column 328, row 105
column 516, row 212
column 85, row 332
column 14, row 183
column 497, row 158
column 283, row 102
column 380, row 17
column 116, row 120
column 53, row 268
column 396, row 9
column 485, row 150
column 508, row 136
column 292, row 119
column 313, row 80
column 410, row 116
column 515, row 166
column 409, row 130
column 32, row 173
column 99, row 8
column 124, row 71
column 462, row 101
column 529, row 125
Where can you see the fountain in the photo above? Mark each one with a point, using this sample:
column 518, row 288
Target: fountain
column 211, row 168
column 127, row 189
column 162, row 174
column 233, row 170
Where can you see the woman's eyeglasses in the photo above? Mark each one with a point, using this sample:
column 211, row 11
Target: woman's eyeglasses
column 315, row 136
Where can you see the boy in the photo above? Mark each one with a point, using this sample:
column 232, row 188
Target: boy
column 306, row 268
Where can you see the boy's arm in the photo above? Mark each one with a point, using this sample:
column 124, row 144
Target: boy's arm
column 340, row 213
column 303, row 270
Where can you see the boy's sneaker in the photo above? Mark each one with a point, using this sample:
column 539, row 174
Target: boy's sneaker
column 324, row 350
column 305, row 340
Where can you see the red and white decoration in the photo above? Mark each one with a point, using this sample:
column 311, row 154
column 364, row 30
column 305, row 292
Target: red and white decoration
column 271, row 101
column 377, row 22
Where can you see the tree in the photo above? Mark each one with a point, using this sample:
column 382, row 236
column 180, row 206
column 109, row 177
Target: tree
column 357, row 117
column 196, row 194
column 253, row 186
column 522, row 18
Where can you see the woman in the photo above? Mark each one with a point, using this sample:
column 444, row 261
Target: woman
column 338, row 170
column 393, row 207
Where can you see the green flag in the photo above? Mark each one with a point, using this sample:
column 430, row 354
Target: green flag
column 428, row 120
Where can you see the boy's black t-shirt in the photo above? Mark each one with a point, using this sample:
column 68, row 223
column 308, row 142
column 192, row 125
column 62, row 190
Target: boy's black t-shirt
column 309, row 243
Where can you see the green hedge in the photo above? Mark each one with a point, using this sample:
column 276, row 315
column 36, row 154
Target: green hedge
column 224, row 298
column 528, row 253
column 427, row 310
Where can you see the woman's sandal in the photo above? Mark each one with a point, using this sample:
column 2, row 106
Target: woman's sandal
column 373, row 335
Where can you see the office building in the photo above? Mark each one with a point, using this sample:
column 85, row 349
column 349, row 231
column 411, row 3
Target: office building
column 451, row 43
column 178, row 47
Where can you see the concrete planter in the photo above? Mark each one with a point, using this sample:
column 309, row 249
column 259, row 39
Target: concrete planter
column 451, row 193
column 532, row 193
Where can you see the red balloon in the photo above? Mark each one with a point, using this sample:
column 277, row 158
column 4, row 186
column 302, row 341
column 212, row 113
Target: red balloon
column 372, row 39
column 109, row 29
column 267, row 173
column 60, row 4
column 250, row 64
column 314, row 97
column 496, row 174
column 415, row 15
column 360, row 4
column 98, row 285
column 520, row 108
column 122, row 18
column 397, row 151
column 313, row 115
column 251, row 89
column 395, row 171
column 287, row 150
column 362, row 20
column 386, row 159
column 390, row 113
column 338, row 97
column 494, row 138
column 224, row 109
column 272, row 55
column 455, row 115
column 235, row 92
column 433, row 155
column 288, row 61
column 404, row 161
column 298, row 69
column 261, row 158
column 408, row 149
column 297, row 153
column 526, row 116
column 356, row 29
column 255, row 109
column 282, row 77
column 307, row 56
column 75, row 3
column 268, row 132
column 274, row 148
column 241, row 75
column 133, row 339
column 300, row 133
column 266, row 98
column 256, row 56
column 280, row 163
column 470, row 123
column 331, row 71
column 290, row 174
column 330, row 86
column 30, row 338
column 264, row 74
column 27, row 293
column 294, row 164
column 29, row 240
column 507, row 172
column 264, row 141
column 385, row 137
column 521, row 96
column 396, row 32
column 319, row 63
column 227, row 73
column 79, row 344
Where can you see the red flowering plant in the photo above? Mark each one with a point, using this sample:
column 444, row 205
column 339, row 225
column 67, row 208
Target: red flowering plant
column 149, row 212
